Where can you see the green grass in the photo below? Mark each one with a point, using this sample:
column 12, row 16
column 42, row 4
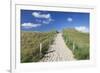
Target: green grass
column 80, row 41
column 30, row 45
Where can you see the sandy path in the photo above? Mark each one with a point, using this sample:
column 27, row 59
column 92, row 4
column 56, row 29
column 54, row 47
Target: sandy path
column 58, row 51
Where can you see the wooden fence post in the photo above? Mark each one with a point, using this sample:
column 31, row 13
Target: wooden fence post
column 66, row 41
column 73, row 46
column 40, row 49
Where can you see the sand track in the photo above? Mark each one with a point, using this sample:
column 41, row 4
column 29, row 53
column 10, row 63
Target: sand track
column 58, row 51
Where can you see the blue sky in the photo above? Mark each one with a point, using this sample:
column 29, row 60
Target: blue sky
column 37, row 20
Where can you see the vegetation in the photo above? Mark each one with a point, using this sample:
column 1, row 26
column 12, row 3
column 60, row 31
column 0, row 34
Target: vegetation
column 30, row 45
column 78, row 42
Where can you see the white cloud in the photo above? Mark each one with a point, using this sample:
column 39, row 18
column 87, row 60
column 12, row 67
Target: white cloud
column 46, row 17
column 30, row 25
column 50, row 19
column 39, row 15
column 69, row 19
column 47, row 21
column 82, row 28
column 38, row 20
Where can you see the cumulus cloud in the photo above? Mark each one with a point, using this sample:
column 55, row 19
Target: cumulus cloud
column 44, row 18
column 82, row 28
column 69, row 19
column 30, row 25
column 40, row 15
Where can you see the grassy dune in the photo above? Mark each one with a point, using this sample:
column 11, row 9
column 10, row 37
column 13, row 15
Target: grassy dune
column 30, row 45
column 79, row 40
